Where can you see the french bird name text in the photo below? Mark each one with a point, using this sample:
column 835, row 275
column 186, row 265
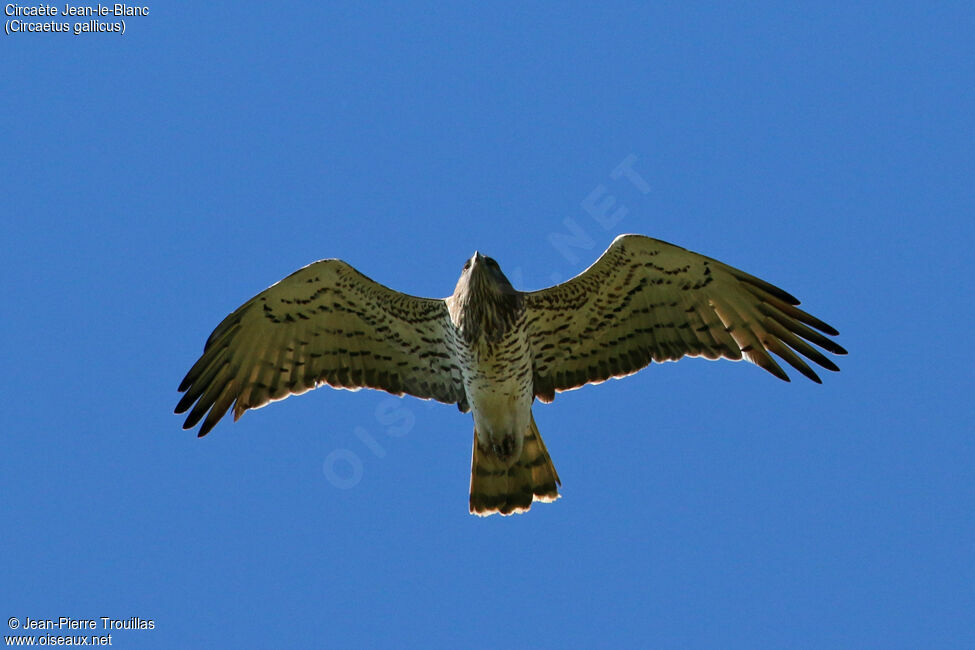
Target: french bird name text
column 119, row 9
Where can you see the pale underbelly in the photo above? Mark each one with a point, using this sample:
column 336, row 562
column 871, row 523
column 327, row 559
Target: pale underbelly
column 500, row 410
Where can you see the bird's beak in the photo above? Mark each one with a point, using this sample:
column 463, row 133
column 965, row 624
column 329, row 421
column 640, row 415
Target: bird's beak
column 477, row 259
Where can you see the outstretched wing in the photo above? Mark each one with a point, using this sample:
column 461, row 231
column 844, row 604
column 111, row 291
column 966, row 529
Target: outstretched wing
column 646, row 300
column 324, row 324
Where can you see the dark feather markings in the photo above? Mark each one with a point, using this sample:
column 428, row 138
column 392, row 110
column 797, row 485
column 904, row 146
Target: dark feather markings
column 323, row 324
column 644, row 300
column 648, row 300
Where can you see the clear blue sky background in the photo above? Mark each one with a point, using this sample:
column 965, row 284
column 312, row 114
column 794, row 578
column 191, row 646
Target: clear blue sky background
column 154, row 181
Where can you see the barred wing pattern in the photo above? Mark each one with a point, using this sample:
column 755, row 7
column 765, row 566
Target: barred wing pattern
column 324, row 324
column 646, row 300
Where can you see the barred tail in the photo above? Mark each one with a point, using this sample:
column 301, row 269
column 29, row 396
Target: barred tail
column 496, row 488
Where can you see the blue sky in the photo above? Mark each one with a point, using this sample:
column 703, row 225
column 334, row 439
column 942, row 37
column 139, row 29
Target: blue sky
column 155, row 180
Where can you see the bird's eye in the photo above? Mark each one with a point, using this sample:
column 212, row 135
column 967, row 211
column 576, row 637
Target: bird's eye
column 467, row 265
column 492, row 263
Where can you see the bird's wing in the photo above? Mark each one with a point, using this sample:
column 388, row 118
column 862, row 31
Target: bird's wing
column 324, row 324
column 646, row 300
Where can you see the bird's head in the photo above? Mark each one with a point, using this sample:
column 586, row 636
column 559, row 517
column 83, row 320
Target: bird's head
column 484, row 302
column 482, row 274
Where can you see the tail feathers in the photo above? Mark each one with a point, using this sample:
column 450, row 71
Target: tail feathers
column 508, row 490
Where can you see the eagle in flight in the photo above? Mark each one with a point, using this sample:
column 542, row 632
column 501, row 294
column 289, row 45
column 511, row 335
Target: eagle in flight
column 492, row 350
